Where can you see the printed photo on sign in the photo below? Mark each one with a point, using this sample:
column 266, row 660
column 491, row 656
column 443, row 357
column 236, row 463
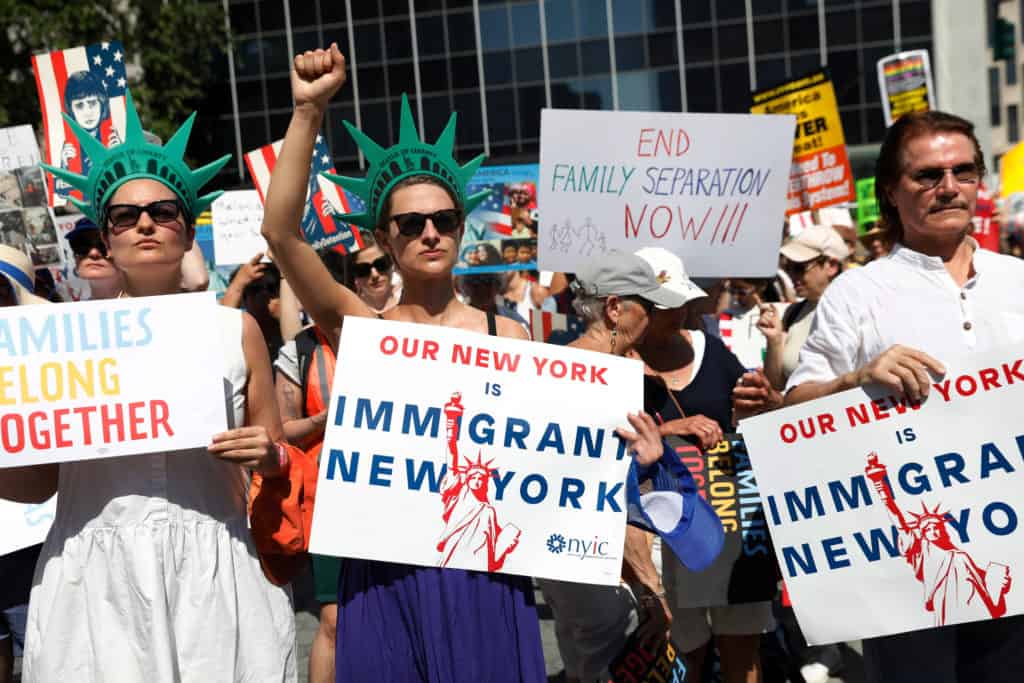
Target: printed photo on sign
column 710, row 188
column 913, row 521
column 821, row 173
column 501, row 456
column 88, row 83
column 325, row 201
column 100, row 379
column 501, row 233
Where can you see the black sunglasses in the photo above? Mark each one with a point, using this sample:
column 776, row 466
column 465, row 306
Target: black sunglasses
column 81, row 246
column 123, row 217
column 446, row 221
column 382, row 265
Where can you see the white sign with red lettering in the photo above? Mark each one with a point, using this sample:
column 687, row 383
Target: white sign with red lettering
column 446, row 448
column 711, row 188
column 24, row 525
column 889, row 516
column 99, row 379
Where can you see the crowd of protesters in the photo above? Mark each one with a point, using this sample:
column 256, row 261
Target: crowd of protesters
column 154, row 568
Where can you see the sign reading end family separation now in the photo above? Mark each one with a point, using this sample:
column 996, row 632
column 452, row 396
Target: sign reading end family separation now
column 446, row 448
column 888, row 516
column 105, row 378
column 709, row 187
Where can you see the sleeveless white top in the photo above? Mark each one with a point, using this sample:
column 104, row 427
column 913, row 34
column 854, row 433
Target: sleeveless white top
column 149, row 572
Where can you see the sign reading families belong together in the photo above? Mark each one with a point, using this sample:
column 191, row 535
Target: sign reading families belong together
column 913, row 518
column 709, row 187
column 450, row 449
column 105, row 378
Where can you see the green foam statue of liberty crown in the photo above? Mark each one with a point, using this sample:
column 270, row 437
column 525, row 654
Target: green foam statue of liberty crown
column 410, row 157
column 136, row 158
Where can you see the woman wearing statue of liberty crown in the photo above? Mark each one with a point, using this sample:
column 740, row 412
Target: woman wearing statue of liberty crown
column 399, row 622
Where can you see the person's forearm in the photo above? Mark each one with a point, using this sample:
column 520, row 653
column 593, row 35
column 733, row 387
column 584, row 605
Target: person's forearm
column 773, row 362
column 637, row 566
column 232, row 297
column 306, row 431
column 195, row 277
column 809, row 391
column 291, row 320
column 35, row 484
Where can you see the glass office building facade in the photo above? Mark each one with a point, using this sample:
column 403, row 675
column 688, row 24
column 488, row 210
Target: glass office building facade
column 499, row 62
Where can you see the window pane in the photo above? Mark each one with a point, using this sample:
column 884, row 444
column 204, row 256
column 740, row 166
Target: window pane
column 471, row 127
column 732, row 41
column 525, row 24
column 461, row 33
column 700, row 89
column 430, row 35
column 876, row 23
column 501, row 115
column 597, row 92
column 595, row 57
column 768, row 37
column 736, row 88
column 560, row 16
column 433, row 75
column 662, row 49
column 531, row 101
column 1012, row 123
column 845, row 70
column 371, row 82
column 662, row 14
column 629, row 53
column 696, row 11
column 465, row 73
column 562, row 61
column 497, row 68
column 593, row 21
column 494, row 28
column 697, row 45
column 841, row 28
column 803, row 32
column 399, row 39
column 915, row 19
column 529, row 65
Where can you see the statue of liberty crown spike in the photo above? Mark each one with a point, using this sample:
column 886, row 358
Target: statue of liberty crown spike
column 410, row 157
column 136, row 158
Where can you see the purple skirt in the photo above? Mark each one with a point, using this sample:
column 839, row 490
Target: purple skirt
column 397, row 622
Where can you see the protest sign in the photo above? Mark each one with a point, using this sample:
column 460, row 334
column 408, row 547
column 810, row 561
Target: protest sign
column 237, row 217
column 708, row 187
column 648, row 662
column 24, row 525
column 324, row 200
column 986, row 224
column 445, row 448
column 820, row 174
column 88, row 83
column 25, row 222
column 65, row 275
column 888, row 516
column 905, row 82
column 867, row 205
column 745, row 569
column 501, row 233
column 18, row 148
column 99, row 379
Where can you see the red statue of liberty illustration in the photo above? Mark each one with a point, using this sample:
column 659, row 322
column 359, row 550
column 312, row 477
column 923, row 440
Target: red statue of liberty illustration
column 956, row 589
column 471, row 533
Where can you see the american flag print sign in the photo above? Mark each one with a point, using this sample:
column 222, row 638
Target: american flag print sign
column 325, row 201
column 501, row 233
column 89, row 84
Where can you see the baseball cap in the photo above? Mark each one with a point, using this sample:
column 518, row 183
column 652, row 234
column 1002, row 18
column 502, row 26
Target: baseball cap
column 16, row 266
column 82, row 225
column 814, row 242
column 619, row 273
column 669, row 271
column 676, row 512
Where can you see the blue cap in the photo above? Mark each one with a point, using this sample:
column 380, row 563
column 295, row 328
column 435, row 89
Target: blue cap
column 675, row 511
column 82, row 225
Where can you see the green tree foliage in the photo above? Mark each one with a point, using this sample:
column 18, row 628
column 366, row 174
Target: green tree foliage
column 176, row 43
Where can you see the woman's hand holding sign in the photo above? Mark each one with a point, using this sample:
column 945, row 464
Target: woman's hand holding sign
column 645, row 443
column 250, row 447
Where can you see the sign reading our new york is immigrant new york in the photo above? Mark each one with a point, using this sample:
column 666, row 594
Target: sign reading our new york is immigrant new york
column 888, row 516
column 446, row 448
column 100, row 379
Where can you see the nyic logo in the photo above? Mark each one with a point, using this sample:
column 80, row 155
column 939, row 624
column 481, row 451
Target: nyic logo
column 582, row 548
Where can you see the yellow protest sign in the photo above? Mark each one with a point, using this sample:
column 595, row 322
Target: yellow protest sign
column 821, row 174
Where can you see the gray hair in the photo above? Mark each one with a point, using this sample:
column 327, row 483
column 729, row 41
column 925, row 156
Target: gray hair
column 589, row 307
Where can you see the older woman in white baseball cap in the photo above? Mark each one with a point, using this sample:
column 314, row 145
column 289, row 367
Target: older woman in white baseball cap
column 16, row 288
column 814, row 258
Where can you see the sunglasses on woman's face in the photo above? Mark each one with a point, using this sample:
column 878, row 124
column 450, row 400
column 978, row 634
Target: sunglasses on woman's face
column 81, row 247
column 446, row 221
column 124, row 217
column 382, row 265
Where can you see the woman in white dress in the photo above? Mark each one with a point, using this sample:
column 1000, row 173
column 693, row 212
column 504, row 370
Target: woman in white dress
column 149, row 572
